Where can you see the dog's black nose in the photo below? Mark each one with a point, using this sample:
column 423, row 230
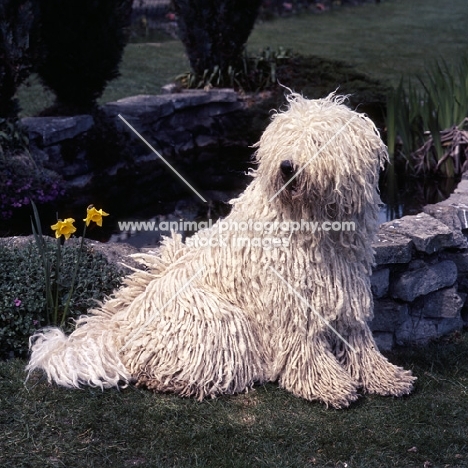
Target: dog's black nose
column 287, row 168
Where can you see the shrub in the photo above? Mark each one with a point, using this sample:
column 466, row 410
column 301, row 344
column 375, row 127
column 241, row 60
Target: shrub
column 82, row 46
column 21, row 180
column 253, row 73
column 23, row 307
column 14, row 137
column 16, row 34
column 214, row 32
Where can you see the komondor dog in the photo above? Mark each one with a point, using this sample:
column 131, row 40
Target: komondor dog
column 279, row 290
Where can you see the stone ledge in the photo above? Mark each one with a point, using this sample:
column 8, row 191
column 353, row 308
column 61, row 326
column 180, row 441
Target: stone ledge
column 445, row 303
column 427, row 233
column 411, row 284
column 51, row 130
column 392, row 247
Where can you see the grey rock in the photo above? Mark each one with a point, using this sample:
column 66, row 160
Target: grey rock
column 224, row 95
column 205, row 141
column 50, row 130
column 392, row 247
column 184, row 121
column 416, row 331
column 428, row 234
column 450, row 216
column 379, row 282
column 118, row 254
column 384, row 341
column 388, row 315
column 454, row 200
column 149, row 157
column 198, row 97
column 221, row 108
column 140, row 109
column 191, row 98
column 449, row 325
column 112, row 171
column 419, row 282
column 445, row 303
column 186, row 146
column 462, row 186
column 170, row 88
column 459, row 258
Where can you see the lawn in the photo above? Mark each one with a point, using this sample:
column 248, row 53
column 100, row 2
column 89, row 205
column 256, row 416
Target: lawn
column 384, row 40
column 46, row 426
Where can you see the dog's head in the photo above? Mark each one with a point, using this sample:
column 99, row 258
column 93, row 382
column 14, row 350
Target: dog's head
column 321, row 159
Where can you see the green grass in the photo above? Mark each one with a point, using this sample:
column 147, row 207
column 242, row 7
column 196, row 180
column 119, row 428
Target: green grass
column 145, row 69
column 383, row 40
column 45, row 426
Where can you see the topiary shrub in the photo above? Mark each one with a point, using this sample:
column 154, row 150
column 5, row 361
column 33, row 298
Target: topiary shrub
column 16, row 35
column 82, row 46
column 214, row 32
column 22, row 299
column 17, row 32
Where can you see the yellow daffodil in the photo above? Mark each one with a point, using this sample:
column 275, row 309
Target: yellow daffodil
column 94, row 215
column 64, row 228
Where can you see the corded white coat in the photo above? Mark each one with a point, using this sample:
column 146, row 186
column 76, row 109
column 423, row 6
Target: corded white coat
column 231, row 307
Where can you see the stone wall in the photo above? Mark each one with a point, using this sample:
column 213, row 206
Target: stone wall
column 420, row 282
column 177, row 125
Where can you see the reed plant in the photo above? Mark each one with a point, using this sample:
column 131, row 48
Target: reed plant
column 427, row 124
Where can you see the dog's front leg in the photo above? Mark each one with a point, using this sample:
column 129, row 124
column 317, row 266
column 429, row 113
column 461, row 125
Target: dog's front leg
column 311, row 371
column 369, row 367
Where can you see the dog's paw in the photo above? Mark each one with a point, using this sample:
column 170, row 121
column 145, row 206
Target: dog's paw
column 330, row 384
column 388, row 380
column 339, row 398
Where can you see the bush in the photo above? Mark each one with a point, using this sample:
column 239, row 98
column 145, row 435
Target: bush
column 214, row 32
column 14, row 137
column 253, row 73
column 23, row 306
column 16, row 33
column 82, row 46
column 21, row 180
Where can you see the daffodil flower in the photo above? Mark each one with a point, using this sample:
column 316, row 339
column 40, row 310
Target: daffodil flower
column 64, row 228
column 94, row 215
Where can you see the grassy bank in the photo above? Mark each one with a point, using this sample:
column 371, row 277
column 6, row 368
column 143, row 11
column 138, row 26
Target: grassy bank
column 384, row 40
column 44, row 426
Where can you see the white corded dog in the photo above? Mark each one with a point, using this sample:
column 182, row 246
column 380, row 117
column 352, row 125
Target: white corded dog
column 260, row 296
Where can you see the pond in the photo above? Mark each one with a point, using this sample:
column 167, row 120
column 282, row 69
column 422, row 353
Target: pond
column 405, row 196
column 135, row 200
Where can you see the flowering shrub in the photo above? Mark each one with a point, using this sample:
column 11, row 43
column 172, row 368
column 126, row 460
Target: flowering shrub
column 21, row 181
column 23, row 304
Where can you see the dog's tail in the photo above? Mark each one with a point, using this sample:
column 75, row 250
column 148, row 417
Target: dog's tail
column 89, row 356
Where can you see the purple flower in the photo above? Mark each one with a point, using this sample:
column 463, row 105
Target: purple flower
column 17, row 302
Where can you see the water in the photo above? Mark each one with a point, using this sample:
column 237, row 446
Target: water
column 401, row 196
column 137, row 201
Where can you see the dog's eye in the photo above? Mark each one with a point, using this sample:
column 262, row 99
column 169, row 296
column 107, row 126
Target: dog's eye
column 287, row 168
